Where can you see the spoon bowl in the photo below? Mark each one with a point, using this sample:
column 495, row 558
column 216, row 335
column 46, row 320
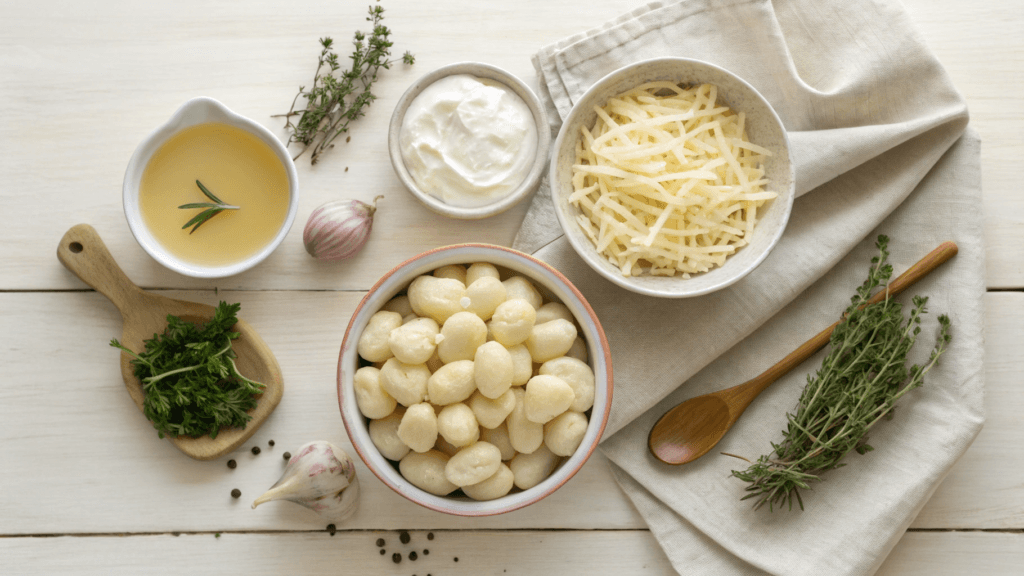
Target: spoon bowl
column 83, row 252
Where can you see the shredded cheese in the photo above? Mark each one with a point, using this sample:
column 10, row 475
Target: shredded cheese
column 668, row 184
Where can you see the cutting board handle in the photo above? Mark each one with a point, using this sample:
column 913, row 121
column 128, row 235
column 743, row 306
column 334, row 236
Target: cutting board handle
column 83, row 252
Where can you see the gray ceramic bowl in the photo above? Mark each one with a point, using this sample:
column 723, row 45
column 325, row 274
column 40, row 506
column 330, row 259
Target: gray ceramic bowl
column 480, row 70
column 764, row 128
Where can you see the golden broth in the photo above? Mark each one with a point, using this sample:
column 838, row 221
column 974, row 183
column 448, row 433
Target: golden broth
column 235, row 166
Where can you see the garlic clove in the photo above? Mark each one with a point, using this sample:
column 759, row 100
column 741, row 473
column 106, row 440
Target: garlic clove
column 321, row 477
column 339, row 229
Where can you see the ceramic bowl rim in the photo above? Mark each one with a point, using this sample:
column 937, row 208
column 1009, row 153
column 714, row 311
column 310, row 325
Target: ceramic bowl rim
column 391, row 477
column 482, row 70
column 179, row 121
column 589, row 254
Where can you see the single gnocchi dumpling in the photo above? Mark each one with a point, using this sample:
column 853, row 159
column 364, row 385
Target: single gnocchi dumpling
column 373, row 401
column 426, row 472
column 550, row 340
column 373, row 342
column 453, row 271
column 499, row 437
column 520, row 287
column 512, row 322
column 491, row 413
column 554, row 311
column 437, row 298
column 484, row 296
column 524, row 434
column 565, row 432
column 451, row 383
column 522, row 365
column 473, row 464
column 458, row 425
column 406, row 383
column 418, row 429
column 578, row 375
column 499, row 484
column 414, row 341
column 463, row 333
column 493, row 369
column 546, row 397
column 531, row 469
column 384, row 434
column 480, row 270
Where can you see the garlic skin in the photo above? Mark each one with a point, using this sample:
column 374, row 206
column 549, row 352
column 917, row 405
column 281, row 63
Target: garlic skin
column 321, row 477
column 339, row 229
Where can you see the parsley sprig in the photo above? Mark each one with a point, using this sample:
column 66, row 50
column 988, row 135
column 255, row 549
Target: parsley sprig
column 191, row 384
column 334, row 101
column 859, row 382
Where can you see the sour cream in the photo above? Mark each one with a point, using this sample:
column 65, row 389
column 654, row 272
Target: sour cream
column 468, row 141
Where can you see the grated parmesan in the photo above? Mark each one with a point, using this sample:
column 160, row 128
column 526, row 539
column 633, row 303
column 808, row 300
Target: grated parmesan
column 668, row 184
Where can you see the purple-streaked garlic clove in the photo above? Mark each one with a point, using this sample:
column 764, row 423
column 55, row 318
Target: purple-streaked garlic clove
column 321, row 477
column 339, row 229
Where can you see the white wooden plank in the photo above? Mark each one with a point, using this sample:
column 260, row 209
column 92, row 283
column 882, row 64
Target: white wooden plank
column 591, row 553
column 63, row 158
column 86, row 454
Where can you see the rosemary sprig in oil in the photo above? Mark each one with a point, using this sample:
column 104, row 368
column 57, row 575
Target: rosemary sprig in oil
column 859, row 382
column 210, row 209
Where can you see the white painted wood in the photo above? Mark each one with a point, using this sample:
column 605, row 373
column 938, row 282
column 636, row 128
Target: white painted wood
column 568, row 553
column 83, row 85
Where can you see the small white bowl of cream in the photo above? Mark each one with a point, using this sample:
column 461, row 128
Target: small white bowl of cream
column 469, row 140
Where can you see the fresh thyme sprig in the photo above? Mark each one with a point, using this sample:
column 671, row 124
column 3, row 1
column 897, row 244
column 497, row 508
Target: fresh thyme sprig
column 191, row 383
column 210, row 211
column 857, row 386
column 335, row 101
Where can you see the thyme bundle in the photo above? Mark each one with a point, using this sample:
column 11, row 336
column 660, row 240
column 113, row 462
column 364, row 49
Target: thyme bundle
column 333, row 102
column 859, row 382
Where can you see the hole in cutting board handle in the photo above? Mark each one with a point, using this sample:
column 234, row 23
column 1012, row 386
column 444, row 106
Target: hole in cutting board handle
column 75, row 247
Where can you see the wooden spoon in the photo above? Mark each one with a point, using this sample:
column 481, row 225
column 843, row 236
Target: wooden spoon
column 693, row 427
column 82, row 252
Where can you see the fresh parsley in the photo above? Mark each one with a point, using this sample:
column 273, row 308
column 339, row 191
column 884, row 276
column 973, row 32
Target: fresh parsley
column 335, row 101
column 191, row 384
column 859, row 382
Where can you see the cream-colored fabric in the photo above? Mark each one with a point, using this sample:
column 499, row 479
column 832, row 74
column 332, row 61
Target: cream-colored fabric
column 878, row 137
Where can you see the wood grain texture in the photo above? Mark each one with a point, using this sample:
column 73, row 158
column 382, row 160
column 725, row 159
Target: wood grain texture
column 83, row 252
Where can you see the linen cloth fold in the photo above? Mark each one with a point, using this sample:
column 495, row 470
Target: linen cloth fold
column 880, row 142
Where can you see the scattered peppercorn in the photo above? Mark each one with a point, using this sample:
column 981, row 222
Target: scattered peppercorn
column 287, row 455
column 332, row 529
column 270, row 443
column 380, row 542
column 255, row 450
column 396, row 558
column 430, row 535
column 426, row 552
column 456, row 558
column 236, row 493
column 232, row 464
column 383, row 551
column 404, row 537
column 413, row 556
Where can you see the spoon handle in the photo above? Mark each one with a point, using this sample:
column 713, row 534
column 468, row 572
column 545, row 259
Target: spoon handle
column 922, row 268
column 83, row 252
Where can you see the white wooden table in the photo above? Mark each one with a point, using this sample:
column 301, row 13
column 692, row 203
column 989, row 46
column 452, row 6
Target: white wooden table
column 86, row 487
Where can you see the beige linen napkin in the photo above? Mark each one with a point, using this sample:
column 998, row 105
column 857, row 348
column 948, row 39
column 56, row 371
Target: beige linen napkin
column 878, row 137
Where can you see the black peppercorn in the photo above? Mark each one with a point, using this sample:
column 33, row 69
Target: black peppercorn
column 380, row 542
column 396, row 558
column 287, row 455
column 404, row 537
column 270, row 443
column 232, row 464
column 456, row 558
column 430, row 535
column 426, row 552
column 383, row 551
column 413, row 556
column 236, row 493
column 332, row 529
column 255, row 449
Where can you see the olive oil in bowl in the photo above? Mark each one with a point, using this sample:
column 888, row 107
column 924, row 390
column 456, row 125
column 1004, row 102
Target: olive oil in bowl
column 237, row 167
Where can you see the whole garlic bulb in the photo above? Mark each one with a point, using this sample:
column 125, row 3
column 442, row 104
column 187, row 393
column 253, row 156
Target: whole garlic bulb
column 321, row 477
column 337, row 230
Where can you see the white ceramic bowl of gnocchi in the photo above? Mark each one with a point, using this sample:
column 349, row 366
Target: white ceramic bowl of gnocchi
column 474, row 380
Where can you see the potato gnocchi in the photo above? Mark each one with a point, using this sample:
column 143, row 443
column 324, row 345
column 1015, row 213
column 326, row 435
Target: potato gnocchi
column 474, row 383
